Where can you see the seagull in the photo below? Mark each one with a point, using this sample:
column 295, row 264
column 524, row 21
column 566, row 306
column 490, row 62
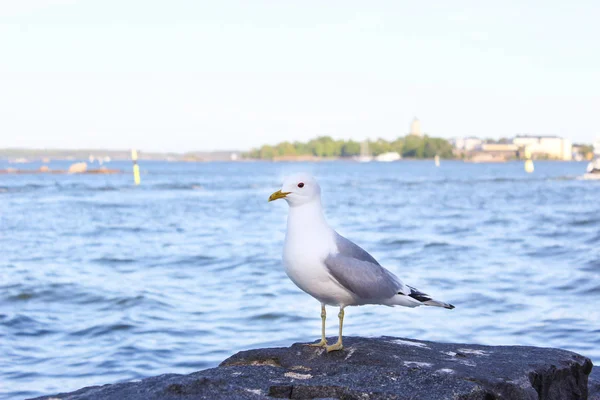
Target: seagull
column 331, row 268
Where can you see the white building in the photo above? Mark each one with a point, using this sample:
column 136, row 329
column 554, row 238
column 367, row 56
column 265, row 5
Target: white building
column 550, row 146
column 597, row 147
column 466, row 143
column 415, row 127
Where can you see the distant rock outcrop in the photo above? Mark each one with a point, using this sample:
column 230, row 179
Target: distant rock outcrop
column 377, row 368
column 72, row 170
column 103, row 170
column 78, row 168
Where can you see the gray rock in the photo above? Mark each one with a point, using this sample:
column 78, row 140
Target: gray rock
column 594, row 385
column 371, row 368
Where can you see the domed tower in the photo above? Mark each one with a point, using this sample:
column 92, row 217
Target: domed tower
column 415, row 127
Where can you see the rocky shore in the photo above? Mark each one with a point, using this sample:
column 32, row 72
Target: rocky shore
column 373, row 368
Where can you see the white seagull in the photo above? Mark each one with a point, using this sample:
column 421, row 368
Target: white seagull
column 331, row 268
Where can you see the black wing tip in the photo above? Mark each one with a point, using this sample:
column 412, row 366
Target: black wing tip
column 422, row 297
column 418, row 295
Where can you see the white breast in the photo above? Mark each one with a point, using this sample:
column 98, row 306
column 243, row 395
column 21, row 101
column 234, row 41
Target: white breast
column 306, row 247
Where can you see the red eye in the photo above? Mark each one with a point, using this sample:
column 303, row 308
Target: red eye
column 301, row 185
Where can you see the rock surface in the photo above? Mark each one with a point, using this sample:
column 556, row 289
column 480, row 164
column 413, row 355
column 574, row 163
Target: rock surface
column 371, row 368
column 594, row 385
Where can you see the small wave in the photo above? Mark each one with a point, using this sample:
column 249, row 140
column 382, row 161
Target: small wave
column 114, row 206
column 594, row 240
column 592, row 221
column 21, row 296
column 497, row 221
column 450, row 216
column 565, row 178
column 548, row 251
column 480, row 180
column 191, row 260
column 399, row 242
column 269, row 316
column 24, row 325
column 100, row 330
column 24, row 188
column 113, row 260
column 591, row 290
column 143, row 301
column 436, row 244
column 454, row 230
column 132, row 229
column 54, row 293
column 179, row 186
column 507, row 240
column 592, row 265
column 19, row 321
column 570, row 285
column 498, row 180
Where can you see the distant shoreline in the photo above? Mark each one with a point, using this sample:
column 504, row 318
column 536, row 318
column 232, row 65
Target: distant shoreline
column 22, row 156
column 17, row 157
column 14, row 165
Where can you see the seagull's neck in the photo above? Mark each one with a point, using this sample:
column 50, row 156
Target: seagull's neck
column 306, row 219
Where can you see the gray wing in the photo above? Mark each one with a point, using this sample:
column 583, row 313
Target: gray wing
column 350, row 249
column 360, row 273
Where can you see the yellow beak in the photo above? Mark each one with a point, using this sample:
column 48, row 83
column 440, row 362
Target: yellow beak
column 278, row 195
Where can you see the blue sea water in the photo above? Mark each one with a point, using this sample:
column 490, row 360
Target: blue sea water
column 103, row 282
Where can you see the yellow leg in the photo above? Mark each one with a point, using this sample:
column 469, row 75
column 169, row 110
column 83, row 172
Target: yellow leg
column 323, row 341
column 338, row 345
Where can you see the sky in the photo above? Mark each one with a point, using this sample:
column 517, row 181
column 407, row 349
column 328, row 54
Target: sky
column 214, row 75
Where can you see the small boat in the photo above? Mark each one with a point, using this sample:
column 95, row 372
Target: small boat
column 388, row 157
column 593, row 168
column 365, row 154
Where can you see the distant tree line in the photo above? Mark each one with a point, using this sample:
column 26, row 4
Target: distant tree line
column 324, row 146
column 497, row 141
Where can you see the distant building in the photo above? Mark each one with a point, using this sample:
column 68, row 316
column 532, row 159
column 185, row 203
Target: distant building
column 596, row 147
column 500, row 147
column 467, row 143
column 478, row 150
column 546, row 146
column 493, row 152
column 415, row 127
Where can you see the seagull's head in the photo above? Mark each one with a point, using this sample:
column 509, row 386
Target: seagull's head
column 298, row 189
